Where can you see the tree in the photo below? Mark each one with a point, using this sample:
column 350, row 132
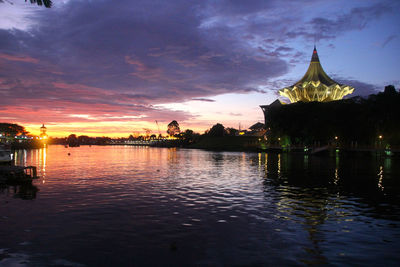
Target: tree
column 84, row 139
column 148, row 132
column 46, row 3
column 390, row 90
column 72, row 138
column 359, row 121
column 217, row 130
column 187, row 135
column 231, row 131
column 10, row 129
column 173, row 128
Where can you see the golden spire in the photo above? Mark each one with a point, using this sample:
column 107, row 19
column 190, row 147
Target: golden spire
column 315, row 85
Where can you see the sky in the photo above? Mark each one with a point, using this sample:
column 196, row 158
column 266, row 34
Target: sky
column 113, row 68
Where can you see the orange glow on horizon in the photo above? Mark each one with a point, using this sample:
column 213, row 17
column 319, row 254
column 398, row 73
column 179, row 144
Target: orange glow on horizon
column 101, row 130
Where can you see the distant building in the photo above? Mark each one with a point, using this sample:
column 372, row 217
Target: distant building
column 257, row 129
column 315, row 85
column 43, row 132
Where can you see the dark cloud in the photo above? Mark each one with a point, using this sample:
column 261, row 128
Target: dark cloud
column 360, row 88
column 330, row 26
column 356, row 19
column 124, row 54
column 203, row 99
column 388, row 40
column 122, row 58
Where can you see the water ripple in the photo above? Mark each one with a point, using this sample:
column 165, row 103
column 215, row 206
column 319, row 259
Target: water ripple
column 122, row 205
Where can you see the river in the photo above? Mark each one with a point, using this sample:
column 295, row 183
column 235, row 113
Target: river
column 127, row 205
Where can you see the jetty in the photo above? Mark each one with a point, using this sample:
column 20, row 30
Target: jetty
column 17, row 174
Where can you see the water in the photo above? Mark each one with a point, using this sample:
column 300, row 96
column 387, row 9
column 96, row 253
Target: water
column 123, row 206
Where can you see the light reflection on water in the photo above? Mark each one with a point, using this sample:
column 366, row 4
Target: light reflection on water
column 105, row 205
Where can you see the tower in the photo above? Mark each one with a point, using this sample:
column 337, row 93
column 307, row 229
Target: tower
column 43, row 132
column 315, row 85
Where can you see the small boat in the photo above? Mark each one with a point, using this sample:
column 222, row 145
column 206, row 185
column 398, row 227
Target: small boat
column 5, row 154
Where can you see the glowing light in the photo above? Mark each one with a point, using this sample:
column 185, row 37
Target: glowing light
column 380, row 137
column 380, row 181
column 315, row 85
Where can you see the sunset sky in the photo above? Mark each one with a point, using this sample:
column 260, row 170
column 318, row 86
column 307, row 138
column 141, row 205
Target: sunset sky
column 112, row 68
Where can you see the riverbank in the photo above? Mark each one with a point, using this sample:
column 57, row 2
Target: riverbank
column 32, row 144
column 244, row 144
column 228, row 143
column 256, row 144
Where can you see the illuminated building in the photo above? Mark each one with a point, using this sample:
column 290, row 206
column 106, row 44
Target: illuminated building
column 316, row 85
column 43, row 132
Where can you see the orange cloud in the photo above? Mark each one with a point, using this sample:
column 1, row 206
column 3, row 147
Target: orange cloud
column 18, row 58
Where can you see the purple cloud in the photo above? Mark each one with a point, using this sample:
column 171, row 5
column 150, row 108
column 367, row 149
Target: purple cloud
column 203, row 99
column 361, row 88
column 118, row 59
column 389, row 39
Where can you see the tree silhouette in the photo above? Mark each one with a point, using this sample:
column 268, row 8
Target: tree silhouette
column 217, row 130
column 173, row 128
column 10, row 129
column 46, row 3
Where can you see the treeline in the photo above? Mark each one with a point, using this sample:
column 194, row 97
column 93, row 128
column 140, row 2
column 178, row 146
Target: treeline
column 11, row 129
column 361, row 121
column 74, row 140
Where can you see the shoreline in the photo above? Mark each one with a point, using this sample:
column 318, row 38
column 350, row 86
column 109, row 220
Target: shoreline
column 327, row 151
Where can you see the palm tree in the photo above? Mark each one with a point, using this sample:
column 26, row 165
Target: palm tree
column 46, row 3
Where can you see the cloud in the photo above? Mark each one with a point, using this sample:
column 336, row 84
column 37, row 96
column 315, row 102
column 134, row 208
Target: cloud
column 203, row 99
column 360, row 88
column 388, row 40
column 329, row 27
column 134, row 57
column 18, row 58
column 118, row 60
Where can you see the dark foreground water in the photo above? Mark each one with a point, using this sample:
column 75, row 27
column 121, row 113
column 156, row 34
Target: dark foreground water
column 123, row 206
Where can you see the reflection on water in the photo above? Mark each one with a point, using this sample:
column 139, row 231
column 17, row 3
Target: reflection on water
column 334, row 196
column 36, row 157
column 24, row 191
column 32, row 157
column 140, row 205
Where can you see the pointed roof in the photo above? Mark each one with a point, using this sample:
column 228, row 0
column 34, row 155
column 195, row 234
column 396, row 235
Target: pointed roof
column 314, row 57
column 257, row 126
column 316, row 85
column 315, row 72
